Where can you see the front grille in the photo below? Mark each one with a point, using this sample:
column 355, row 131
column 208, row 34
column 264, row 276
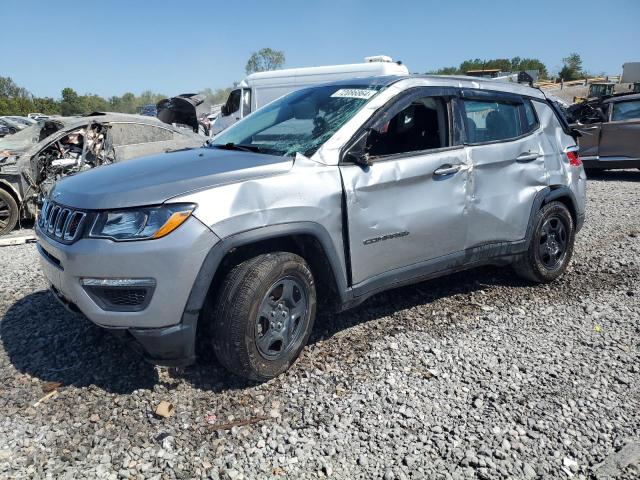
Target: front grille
column 61, row 223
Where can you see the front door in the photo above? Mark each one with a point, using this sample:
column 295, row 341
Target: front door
column 409, row 205
column 503, row 138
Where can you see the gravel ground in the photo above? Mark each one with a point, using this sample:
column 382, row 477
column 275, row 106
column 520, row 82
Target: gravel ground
column 477, row 375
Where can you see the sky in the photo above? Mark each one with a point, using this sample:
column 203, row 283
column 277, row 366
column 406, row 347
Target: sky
column 114, row 46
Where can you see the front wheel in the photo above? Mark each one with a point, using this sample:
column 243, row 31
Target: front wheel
column 264, row 315
column 551, row 245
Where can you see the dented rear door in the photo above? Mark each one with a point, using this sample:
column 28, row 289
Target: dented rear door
column 507, row 168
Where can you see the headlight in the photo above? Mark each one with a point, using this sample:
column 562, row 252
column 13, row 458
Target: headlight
column 141, row 223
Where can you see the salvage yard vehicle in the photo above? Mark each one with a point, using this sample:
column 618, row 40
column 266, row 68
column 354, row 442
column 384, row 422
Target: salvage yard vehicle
column 260, row 88
column 11, row 125
column 610, row 132
column 33, row 159
column 325, row 196
column 4, row 130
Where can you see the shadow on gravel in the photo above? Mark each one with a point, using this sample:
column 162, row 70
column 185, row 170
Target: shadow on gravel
column 43, row 340
column 389, row 302
column 46, row 341
column 614, row 175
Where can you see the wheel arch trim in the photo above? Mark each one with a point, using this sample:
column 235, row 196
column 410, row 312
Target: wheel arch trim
column 219, row 251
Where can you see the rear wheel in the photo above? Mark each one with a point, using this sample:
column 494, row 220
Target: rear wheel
column 264, row 315
column 8, row 212
column 551, row 245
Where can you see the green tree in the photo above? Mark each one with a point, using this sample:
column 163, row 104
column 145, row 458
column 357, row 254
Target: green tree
column 572, row 68
column 9, row 89
column 70, row 104
column 521, row 64
column 263, row 60
column 445, row 71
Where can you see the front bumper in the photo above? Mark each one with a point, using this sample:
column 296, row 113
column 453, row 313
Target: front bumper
column 159, row 330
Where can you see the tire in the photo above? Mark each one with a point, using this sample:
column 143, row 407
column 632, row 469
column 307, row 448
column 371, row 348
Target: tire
column 263, row 315
column 551, row 245
column 9, row 212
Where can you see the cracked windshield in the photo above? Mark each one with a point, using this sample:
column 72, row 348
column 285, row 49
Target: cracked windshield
column 299, row 122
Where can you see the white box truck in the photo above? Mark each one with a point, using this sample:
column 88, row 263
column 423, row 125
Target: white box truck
column 260, row 88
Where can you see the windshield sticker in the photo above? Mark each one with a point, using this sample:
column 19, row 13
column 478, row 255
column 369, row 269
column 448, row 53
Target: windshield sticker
column 354, row 93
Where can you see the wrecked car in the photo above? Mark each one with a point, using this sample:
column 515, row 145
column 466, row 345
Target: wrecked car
column 33, row 159
column 323, row 197
column 610, row 131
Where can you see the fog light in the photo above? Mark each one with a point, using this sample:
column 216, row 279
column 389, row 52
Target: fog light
column 120, row 294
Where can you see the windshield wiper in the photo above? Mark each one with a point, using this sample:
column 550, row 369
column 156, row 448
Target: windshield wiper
column 242, row 148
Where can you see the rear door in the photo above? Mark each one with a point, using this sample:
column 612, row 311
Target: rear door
column 409, row 205
column 504, row 146
column 620, row 138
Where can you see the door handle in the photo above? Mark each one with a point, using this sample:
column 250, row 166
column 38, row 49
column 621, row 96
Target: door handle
column 527, row 156
column 447, row 170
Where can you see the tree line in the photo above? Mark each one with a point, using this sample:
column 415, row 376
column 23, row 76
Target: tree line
column 571, row 67
column 17, row 100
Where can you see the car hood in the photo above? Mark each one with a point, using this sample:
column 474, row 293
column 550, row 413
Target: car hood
column 155, row 179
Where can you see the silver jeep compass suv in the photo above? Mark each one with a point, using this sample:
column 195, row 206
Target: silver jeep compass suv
column 330, row 193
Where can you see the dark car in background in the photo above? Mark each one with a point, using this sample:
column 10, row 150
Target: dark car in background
column 149, row 110
column 11, row 126
column 610, row 132
column 4, row 130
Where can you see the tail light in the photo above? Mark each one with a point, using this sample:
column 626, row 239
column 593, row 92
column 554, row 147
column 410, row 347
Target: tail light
column 574, row 158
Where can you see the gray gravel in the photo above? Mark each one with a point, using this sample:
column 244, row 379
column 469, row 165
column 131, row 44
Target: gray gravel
column 478, row 375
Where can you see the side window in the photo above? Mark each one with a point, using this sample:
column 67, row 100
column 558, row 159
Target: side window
column 422, row 124
column 530, row 122
column 489, row 121
column 246, row 102
column 233, row 102
column 132, row 133
column 626, row 110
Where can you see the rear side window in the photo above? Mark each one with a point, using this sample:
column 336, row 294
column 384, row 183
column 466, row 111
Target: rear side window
column 530, row 122
column 625, row 110
column 491, row 121
column 134, row 133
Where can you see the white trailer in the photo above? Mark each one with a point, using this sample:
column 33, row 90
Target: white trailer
column 630, row 72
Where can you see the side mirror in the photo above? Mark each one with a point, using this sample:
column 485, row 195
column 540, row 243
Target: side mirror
column 358, row 157
column 224, row 110
column 358, row 152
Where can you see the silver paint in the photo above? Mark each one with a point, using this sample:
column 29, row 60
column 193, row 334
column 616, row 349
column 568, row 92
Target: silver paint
column 487, row 200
